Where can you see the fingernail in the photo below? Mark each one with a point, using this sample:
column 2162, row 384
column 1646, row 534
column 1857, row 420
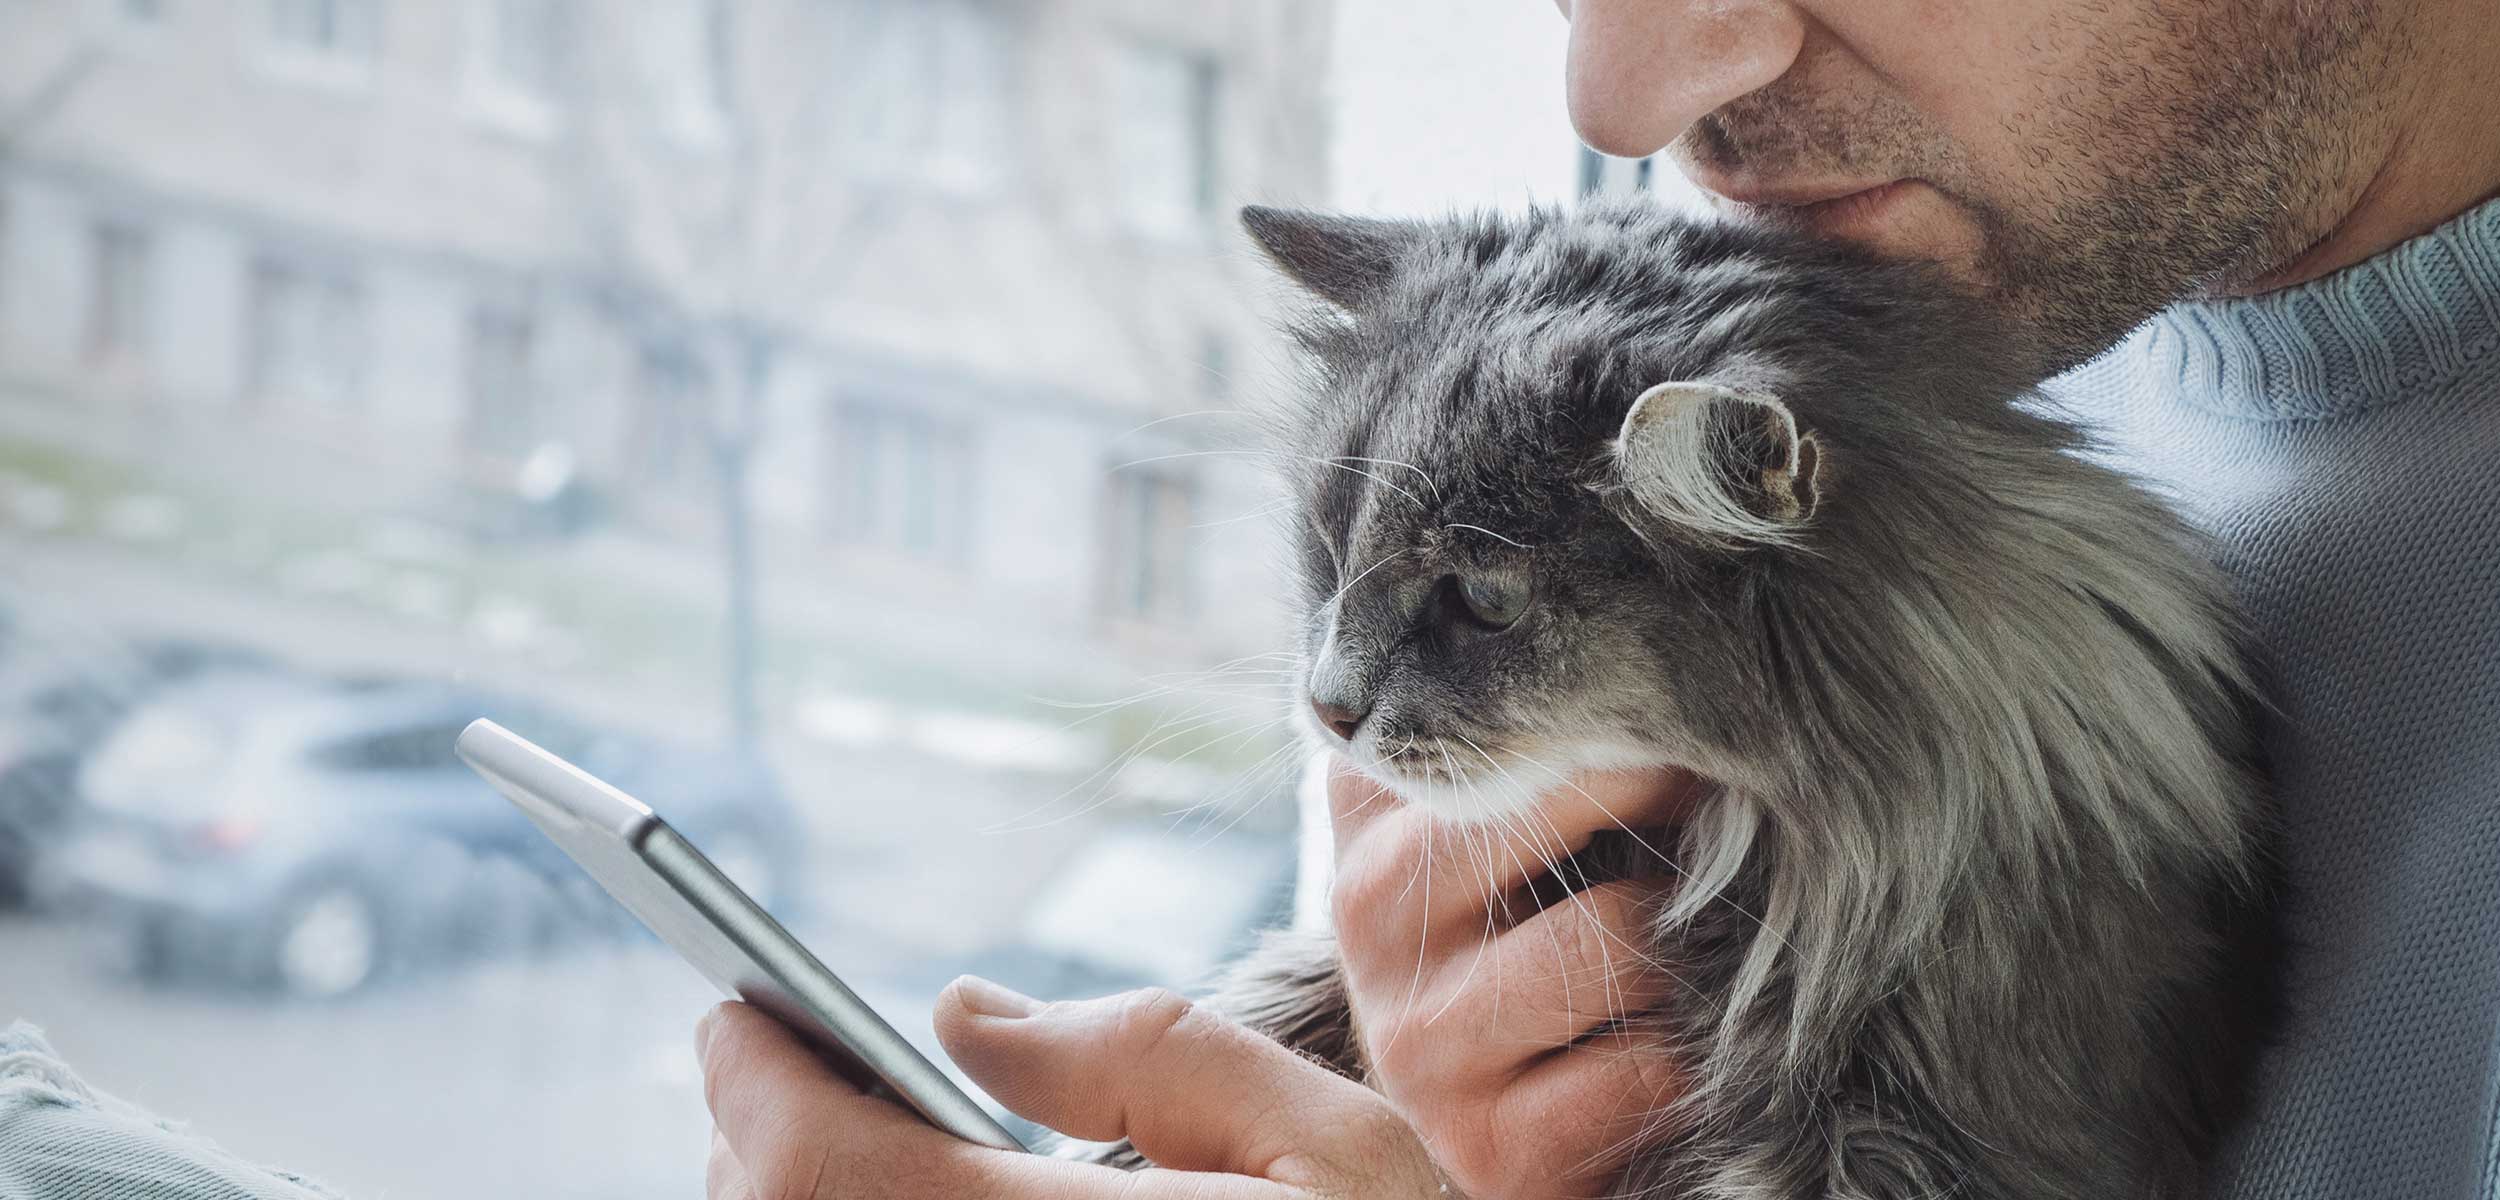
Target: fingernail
column 993, row 1000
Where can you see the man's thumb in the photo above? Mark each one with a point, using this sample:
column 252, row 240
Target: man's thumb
column 1191, row 1090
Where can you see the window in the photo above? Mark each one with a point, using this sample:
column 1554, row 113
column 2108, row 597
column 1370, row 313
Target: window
column 902, row 481
column 667, row 437
column 8, row 266
column 1215, row 366
column 522, row 48
column 1149, row 551
column 118, row 295
column 503, row 386
column 690, row 50
column 932, row 91
column 307, row 337
column 1166, row 129
column 349, row 29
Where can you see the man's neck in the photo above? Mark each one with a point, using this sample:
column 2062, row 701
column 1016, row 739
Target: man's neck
column 2441, row 157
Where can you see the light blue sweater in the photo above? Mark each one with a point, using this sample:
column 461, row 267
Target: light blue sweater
column 2343, row 440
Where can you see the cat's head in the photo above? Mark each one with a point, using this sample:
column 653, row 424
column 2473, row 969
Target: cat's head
column 1562, row 477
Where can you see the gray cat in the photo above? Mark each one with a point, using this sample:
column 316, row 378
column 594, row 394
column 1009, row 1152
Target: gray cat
column 1978, row 905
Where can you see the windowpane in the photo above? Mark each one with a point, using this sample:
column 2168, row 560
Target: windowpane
column 503, row 390
column 347, row 28
column 905, row 475
column 119, row 275
column 307, row 337
column 368, row 363
column 1166, row 126
column 524, row 44
column 930, row 93
column 1152, row 552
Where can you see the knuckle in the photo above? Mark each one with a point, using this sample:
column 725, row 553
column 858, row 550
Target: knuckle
column 1152, row 1019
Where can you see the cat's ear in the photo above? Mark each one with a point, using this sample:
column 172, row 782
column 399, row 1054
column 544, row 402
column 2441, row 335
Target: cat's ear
column 1731, row 466
column 1343, row 260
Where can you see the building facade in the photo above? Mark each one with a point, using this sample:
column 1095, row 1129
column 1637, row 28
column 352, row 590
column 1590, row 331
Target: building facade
column 948, row 291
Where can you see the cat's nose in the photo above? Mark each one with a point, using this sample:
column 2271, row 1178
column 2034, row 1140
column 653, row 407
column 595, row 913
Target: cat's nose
column 1339, row 720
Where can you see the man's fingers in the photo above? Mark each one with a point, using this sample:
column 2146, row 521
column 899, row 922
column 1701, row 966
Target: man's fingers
column 1410, row 876
column 797, row 1131
column 723, row 1178
column 1615, row 1090
column 765, row 1089
column 1584, row 962
column 1190, row 1089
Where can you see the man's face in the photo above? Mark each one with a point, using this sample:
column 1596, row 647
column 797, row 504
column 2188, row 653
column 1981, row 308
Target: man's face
column 2087, row 161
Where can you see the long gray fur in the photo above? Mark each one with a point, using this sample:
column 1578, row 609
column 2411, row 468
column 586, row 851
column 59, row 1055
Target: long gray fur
column 1978, row 905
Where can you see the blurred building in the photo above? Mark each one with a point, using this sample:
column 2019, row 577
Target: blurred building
column 952, row 286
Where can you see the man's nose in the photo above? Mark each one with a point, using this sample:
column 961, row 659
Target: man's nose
column 1642, row 71
column 1337, row 718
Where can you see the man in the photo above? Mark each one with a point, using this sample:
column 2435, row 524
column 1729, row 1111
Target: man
column 2298, row 194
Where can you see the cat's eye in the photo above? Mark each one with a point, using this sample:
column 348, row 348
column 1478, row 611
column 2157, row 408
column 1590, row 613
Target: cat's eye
column 1492, row 601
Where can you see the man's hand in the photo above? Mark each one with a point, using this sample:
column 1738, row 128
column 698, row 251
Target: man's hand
column 1474, row 1003
column 1228, row 1114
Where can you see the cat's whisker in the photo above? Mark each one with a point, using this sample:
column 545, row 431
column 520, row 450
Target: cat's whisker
column 1482, row 944
column 1268, row 509
column 1331, row 462
column 1385, row 560
column 1489, row 533
column 1423, row 935
column 1190, row 720
column 1426, row 476
column 1182, row 416
column 1181, row 454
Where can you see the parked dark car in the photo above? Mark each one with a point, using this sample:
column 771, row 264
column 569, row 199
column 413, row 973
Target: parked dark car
column 58, row 698
column 313, row 838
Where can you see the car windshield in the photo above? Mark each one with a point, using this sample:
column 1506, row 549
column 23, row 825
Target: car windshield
column 831, row 421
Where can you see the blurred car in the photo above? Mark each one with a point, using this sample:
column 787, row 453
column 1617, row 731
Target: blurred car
column 57, row 701
column 312, row 838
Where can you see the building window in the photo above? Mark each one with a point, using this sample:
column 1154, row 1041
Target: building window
column 1148, row 549
column 119, row 270
column 902, row 481
column 307, row 337
column 666, row 441
column 503, row 386
column 1215, row 366
column 349, row 29
column 691, row 59
column 522, row 47
column 1166, row 127
column 933, row 90
column 8, row 267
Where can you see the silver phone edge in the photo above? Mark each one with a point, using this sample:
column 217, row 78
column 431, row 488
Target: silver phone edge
column 830, row 1003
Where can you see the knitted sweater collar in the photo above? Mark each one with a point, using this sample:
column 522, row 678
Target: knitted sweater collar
column 2410, row 319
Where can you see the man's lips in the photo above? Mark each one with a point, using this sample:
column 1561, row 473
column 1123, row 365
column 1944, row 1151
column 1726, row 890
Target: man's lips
column 1830, row 208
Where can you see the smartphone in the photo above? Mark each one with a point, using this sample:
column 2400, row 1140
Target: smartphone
column 662, row 879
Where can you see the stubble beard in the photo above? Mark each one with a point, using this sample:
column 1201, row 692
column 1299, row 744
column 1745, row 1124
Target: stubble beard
column 2239, row 141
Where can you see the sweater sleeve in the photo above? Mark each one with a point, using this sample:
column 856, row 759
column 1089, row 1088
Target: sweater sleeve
column 63, row 1140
